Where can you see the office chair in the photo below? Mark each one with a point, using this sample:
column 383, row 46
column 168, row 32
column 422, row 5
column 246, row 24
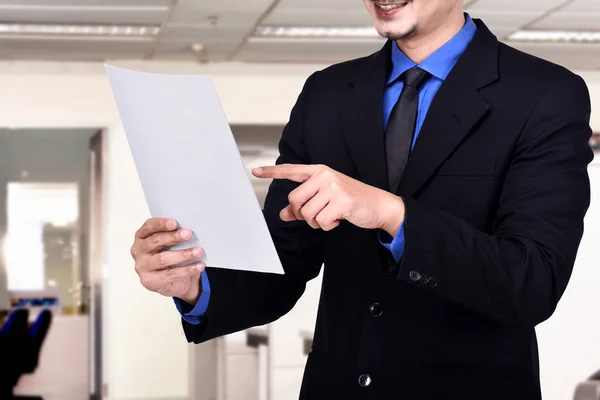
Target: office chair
column 589, row 389
column 37, row 335
column 14, row 341
column 24, row 346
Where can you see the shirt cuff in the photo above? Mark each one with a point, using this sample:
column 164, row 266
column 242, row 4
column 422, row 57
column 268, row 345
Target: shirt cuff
column 396, row 244
column 193, row 315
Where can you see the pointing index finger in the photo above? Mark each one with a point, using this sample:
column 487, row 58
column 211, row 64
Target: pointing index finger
column 293, row 172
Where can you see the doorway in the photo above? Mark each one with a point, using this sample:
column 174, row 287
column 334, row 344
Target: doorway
column 50, row 191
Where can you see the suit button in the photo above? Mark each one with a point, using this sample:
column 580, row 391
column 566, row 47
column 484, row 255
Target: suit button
column 414, row 276
column 376, row 310
column 364, row 380
column 423, row 279
column 433, row 282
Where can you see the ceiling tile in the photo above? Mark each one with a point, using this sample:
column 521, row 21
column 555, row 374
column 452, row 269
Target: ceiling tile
column 95, row 3
column 582, row 6
column 506, row 19
column 181, row 16
column 330, row 6
column 319, row 13
column 577, row 15
column 317, row 18
column 306, row 51
column 212, row 6
column 59, row 15
column 192, row 22
column 516, row 6
column 570, row 21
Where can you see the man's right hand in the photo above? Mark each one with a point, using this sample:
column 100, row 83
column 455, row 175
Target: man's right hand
column 155, row 267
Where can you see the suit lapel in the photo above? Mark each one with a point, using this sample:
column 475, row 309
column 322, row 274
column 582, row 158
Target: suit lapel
column 457, row 108
column 362, row 118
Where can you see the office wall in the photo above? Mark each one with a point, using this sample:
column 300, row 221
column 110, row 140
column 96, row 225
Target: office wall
column 145, row 355
column 570, row 350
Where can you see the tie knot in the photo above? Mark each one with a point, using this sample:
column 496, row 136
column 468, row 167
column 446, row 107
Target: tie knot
column 415, row 77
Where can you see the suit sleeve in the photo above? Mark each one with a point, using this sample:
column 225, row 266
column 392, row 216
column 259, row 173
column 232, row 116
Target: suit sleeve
column 520, row 271
column 241, row 299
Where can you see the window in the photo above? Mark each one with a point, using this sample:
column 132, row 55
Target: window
column 42, row 221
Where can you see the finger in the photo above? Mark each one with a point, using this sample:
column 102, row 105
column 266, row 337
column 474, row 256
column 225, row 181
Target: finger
column 328, row 218
column 293, row 172
column 158, row 241
column 287, row 215
column 154, row 225
column 167, row 259
column 302, row 194
column 313, row 207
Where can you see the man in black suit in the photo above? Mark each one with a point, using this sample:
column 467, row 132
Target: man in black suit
column 438, row 266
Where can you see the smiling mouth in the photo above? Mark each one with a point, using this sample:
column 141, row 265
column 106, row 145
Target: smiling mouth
column 391, row 6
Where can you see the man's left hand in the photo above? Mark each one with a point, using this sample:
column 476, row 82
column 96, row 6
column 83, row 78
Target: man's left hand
column 326, row 197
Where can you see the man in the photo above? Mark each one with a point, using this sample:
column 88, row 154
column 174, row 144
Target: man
column 439, row 266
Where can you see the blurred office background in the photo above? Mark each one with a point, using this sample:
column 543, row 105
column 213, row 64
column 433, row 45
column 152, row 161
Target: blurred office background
column 70, row 198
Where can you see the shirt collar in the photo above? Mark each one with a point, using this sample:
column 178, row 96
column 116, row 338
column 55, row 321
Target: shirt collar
column 441, row 62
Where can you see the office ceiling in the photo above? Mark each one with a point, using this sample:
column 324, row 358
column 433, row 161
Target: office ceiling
column 224, row 29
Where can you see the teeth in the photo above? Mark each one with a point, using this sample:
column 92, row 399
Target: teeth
column 388, row 7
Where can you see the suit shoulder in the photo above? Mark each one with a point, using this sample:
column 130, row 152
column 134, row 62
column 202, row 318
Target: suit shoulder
column 532, row 70
column 338, row 72
column 542, row 85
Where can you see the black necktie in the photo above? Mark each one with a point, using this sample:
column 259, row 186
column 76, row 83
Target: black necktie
column 401, row 126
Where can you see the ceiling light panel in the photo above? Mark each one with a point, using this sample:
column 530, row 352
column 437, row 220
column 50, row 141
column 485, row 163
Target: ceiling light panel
column 79, row 30
column 316, row 32
column 556, row 36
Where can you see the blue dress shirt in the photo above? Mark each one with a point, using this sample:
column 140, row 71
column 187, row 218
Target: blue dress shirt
column 439, row 65
column 193, row 316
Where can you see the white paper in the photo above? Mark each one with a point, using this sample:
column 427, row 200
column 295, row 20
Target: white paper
column 190, row 166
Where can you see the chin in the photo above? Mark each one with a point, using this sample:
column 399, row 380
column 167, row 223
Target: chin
column 395, row 24
column 396, row 32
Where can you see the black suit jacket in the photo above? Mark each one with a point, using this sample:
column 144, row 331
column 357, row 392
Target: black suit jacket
column 496, row 190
